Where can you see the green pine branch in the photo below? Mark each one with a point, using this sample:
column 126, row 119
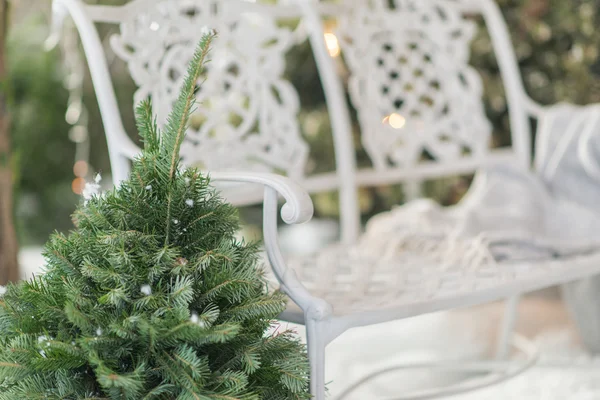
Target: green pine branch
column 152, row 296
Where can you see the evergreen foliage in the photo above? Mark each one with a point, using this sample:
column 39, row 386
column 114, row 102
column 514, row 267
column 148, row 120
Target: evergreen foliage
column 151, row 297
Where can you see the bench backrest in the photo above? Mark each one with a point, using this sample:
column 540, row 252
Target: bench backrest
column 419, row 103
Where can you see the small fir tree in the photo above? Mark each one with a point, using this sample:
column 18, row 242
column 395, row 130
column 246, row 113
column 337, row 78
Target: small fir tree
column 151, row 297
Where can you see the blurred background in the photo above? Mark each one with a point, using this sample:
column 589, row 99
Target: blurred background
column 58, row 139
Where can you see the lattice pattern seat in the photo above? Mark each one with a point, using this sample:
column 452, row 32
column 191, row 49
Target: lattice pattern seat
column 352, row 279
column 431, row 271
column 426, row 262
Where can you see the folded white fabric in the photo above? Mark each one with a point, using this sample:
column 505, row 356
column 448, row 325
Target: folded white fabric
column 567, row 161
column 567, row 158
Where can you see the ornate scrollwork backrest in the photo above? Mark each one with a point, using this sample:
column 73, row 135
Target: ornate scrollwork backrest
column 411, row 82
column 248, row 114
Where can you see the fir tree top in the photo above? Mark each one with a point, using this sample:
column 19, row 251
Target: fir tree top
column 151, row 297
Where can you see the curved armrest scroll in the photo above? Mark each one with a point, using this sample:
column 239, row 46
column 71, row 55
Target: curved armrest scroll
column 298, row 207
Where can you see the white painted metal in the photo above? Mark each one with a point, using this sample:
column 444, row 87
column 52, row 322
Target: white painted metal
column 340, row 124
column 410, row 70
column 248, row 118
column 248, row 121
column 508, row 327
column 120, row 146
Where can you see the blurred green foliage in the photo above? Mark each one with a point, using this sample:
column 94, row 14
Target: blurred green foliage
column 43, row 153
column 557, row 46
column 556, row 43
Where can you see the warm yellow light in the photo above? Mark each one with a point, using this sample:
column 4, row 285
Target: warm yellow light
column 333, row 45
column 78, row 185
column 396, row 121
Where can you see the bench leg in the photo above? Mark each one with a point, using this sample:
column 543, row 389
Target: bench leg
column 316, row 356
column 507, row 327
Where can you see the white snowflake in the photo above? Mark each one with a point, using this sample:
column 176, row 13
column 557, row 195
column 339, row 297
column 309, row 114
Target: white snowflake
column 99, row 332
column 194, row 318
column 149, row 187
column 43, row 339
column 176, row 221
column 189, row 202
column 206, row 31
column 146, row 289
column 187, row 181
column 91, row 189
column 2, row 290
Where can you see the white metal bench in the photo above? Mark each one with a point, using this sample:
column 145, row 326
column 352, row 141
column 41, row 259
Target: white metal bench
column 414, row 92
